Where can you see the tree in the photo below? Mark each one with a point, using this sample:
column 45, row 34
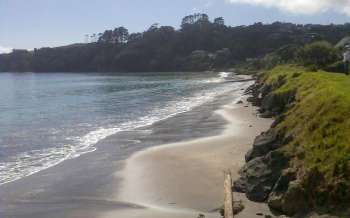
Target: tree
column 153, row 27
column 133, row 37
column 194, row 19
column 219, row 21
column 93, row 38
column 122, row 35
column 106, row 37
column 119, row 35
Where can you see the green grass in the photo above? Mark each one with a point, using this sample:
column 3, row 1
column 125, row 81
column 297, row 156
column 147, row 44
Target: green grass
column 319, row 121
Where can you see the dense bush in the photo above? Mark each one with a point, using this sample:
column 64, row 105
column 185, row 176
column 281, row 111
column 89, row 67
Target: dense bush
column 285, row 55
column 288, row 53
column 318, row 55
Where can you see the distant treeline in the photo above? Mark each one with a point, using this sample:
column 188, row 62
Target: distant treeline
column 200, row 44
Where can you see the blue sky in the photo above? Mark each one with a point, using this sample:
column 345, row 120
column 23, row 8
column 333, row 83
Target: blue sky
column 39, row 23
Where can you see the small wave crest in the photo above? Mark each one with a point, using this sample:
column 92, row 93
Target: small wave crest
column 221, row 77
column 225, row 74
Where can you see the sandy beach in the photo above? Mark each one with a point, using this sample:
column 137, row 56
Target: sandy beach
column 186, row 179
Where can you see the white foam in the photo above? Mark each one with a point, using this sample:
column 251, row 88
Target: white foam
column 225, row 74
column 222, row 77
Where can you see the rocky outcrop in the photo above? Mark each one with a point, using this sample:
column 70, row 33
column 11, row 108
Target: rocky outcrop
column 259, row 175
column 265, row 176
column 254, row 92
column 263, row 144
column 277, row 170
column 271, row 104
column 288, row 196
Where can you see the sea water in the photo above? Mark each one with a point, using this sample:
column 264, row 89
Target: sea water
column 47, row 118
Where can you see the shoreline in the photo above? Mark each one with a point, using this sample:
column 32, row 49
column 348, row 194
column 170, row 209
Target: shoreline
column 175, row 180
column 29, row 162
column 186, row 179
column 86, row 186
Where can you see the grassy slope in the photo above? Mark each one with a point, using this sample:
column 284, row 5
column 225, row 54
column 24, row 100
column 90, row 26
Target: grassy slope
column 319, row 121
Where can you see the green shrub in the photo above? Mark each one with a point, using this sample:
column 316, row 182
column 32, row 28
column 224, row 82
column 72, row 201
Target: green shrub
column 284, row 55
column 288, row 53
column 318, row 55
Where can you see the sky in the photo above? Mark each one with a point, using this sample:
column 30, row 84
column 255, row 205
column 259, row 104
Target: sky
column 28, row 24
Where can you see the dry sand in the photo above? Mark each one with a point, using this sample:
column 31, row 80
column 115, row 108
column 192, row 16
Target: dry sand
column 186, row 179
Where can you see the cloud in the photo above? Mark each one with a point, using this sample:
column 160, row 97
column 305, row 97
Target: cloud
column 308, row 7
column 5, row 49
column 205, row 4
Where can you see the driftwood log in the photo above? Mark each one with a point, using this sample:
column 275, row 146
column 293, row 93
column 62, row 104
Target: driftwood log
column 228, row 201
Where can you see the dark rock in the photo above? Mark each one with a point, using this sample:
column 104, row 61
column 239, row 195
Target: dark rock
column 267, row 114
column 240, row 102
column 277, row 103
column 249, row 90
column 265, row 90
column 263, row 144
column 295, row 199
column 275, row 200
column 282, row 184
column 249, row 155
column 239, row 185
column 270, row 104
column 251, row 99
column 255, row 98
column 290, row 202
column 255, row 177
column 277, row 162
column 259, row 176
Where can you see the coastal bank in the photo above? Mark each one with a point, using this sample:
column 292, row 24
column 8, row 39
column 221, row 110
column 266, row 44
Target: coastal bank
column 301, row 165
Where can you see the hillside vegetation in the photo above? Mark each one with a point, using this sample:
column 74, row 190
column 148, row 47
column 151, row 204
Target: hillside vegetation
column 199, row 44
column 318, row 119
column 313, row 128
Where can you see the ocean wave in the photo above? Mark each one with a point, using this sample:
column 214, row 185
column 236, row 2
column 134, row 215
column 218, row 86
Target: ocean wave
column 225, row 74
column 222, row 77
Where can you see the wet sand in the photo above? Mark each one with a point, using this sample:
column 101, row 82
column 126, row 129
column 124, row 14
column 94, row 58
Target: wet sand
column 186, row 179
